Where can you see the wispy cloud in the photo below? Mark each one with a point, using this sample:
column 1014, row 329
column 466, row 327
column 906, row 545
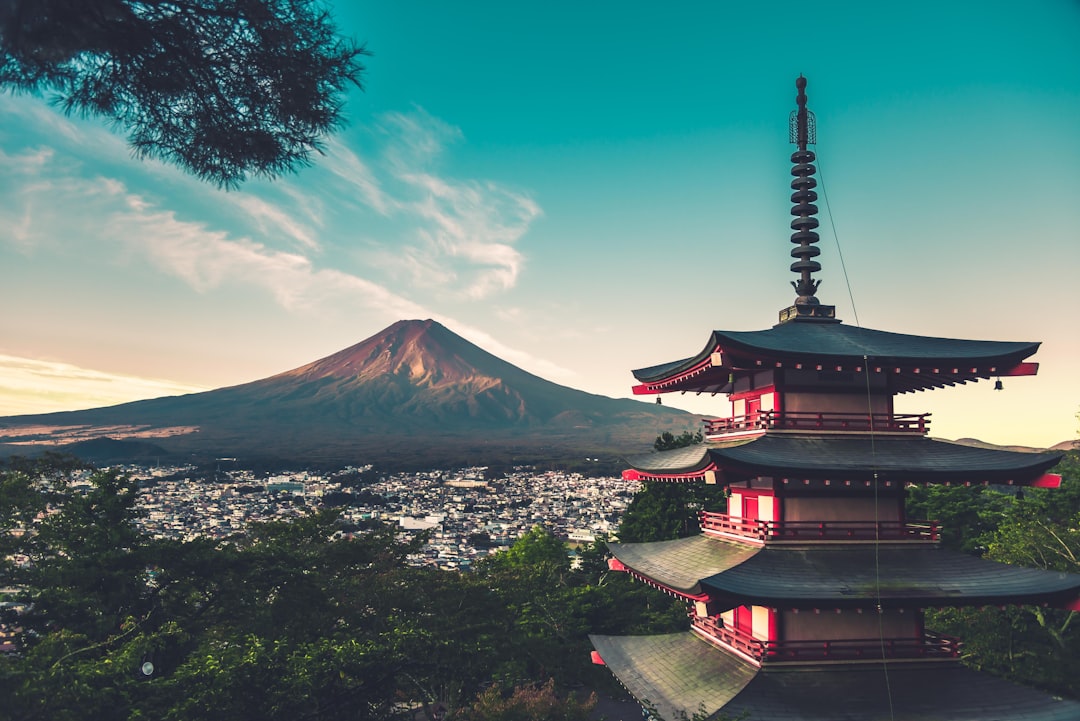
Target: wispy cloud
column 445, row 235
column 348, row 166
column 269, row 218
column 468, row 228
column 206, row 259
column 29, row 385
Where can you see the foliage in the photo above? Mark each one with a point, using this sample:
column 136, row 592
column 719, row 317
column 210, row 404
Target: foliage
column 666, row 441
column 1038, row 528
column 552, row 608
column 290, row 621
column 222, row 88
column 529, row 703
column 662, row 511
column 967, row 515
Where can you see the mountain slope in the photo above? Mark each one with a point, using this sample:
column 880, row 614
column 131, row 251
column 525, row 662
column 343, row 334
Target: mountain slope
column 415, row 388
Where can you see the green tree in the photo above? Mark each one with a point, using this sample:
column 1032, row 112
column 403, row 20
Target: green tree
column 666, row 441
column 967, row 515
column 663, row 511
column 529, row 703
column 537, row 549
column 287, row 622
column 1038, row 528
column 222, row 88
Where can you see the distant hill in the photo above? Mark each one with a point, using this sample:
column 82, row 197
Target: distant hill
column 414, row 394
column 1063, row 446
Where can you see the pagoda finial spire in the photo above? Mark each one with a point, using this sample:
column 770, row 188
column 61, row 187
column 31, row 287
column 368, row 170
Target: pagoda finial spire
column 803, row 132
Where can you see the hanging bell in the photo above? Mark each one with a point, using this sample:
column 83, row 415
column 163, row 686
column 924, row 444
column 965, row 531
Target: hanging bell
column 997, row 385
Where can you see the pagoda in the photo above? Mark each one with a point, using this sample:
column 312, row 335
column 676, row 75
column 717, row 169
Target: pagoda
column 806, row 598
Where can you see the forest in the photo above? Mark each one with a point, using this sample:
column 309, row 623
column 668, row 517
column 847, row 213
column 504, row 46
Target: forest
column 307, row 620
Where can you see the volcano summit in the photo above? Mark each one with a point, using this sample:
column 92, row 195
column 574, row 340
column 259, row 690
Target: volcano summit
column 414, row 392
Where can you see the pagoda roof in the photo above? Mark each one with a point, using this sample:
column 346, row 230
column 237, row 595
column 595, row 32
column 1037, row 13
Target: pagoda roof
column 786, row 455
column 682, row 563
column 680, row 673
column 798, row 343
column 675, row 672
column 838, row 576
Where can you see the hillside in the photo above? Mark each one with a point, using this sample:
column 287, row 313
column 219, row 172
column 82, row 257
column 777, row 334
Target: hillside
column 414, row 392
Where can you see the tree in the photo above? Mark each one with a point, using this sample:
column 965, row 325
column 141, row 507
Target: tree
column 663, row 510
column 289, row 621
column 222, row 88
column 1038, row 528
column 967, row 515
column 667, row 441
column 529, row 703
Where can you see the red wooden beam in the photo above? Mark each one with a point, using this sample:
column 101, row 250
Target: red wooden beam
column 595, row 656
column 615, row 564
column 1020, row 369
column 1047, row 480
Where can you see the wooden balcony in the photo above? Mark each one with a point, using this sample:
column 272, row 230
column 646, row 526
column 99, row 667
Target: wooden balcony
column 765, row 532
column 811, row 421
column 933, row 646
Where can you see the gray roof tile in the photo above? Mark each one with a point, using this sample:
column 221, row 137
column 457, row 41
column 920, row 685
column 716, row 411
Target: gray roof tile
column 681, row 673
column 822, row 456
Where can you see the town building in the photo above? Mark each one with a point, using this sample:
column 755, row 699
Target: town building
column 807, row 596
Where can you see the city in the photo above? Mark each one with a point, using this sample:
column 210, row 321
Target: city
column 467, row 516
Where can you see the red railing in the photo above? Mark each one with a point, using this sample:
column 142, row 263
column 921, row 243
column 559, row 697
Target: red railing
column 809, row 421
column 764, row 531
column 929, row 645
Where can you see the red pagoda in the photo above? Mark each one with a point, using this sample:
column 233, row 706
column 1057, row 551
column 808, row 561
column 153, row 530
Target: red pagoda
column 806, row 598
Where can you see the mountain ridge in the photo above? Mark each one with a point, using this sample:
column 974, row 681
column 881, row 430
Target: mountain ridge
column 414, row 388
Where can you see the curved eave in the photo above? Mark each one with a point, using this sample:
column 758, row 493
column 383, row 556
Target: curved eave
column 689, row 463
column 679, row 565
column 912, row 362
column 840, row 458
column 675, row 673
column 903, row 460
column 828, row 342
column 898, row 578
column 679, row 674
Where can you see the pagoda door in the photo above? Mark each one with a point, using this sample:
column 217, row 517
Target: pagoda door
column 744, row 620
column 750, row 508
column 753, row 411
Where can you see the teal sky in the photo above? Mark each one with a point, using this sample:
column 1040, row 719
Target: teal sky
column 582, row 189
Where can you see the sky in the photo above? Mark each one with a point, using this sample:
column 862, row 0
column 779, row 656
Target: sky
column 581, row 189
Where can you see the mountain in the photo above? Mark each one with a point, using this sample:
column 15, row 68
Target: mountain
column 416, row 391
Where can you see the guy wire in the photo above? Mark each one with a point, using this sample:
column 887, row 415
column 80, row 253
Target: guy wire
column 873, row 453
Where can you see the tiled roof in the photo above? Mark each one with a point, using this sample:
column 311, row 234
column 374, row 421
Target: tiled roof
column 682, row 563
column 899, row 576
column 674, row 673
column 679, row 673
column 836, row 342
column 916, row 459
column 844, row 576
column 927, row 693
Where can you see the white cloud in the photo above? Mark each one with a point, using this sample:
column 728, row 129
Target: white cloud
column 348, row 166
column 29, row 385
column 464, row 240
column 207, row 259
column 445, row 234
column 270, row 218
